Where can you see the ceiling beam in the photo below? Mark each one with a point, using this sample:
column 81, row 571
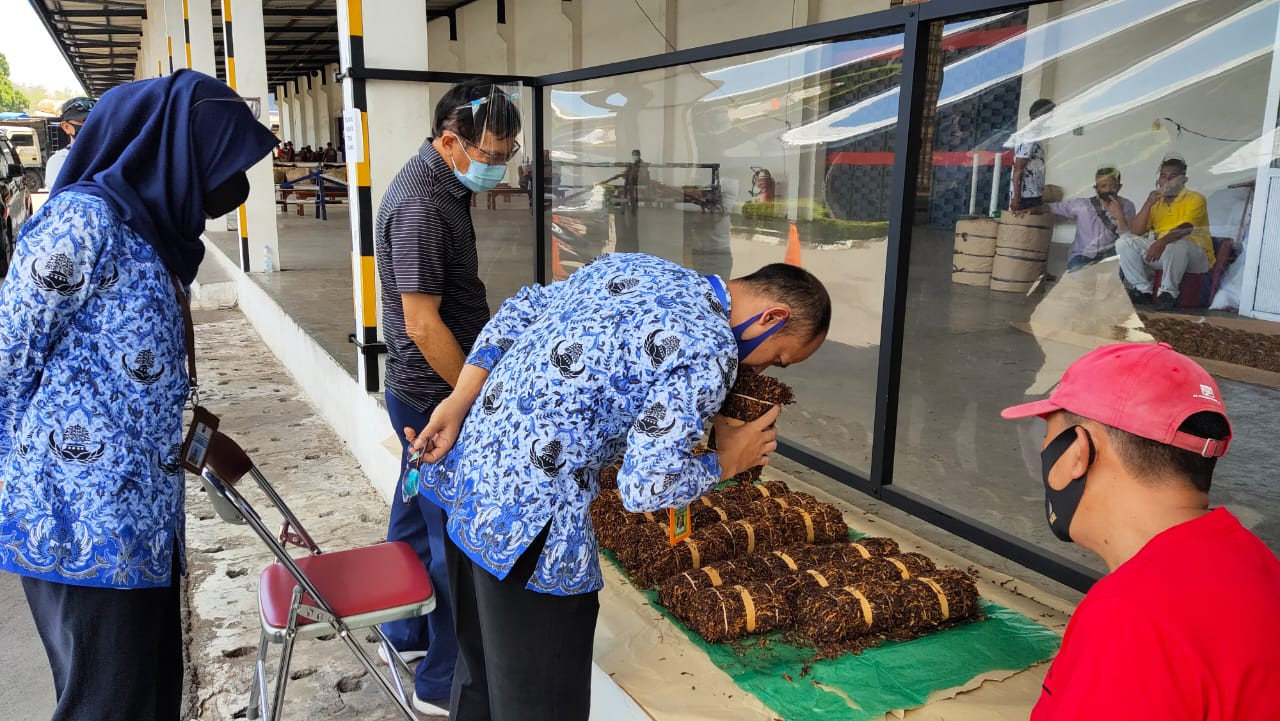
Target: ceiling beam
column 300, row 13
column 78, row 44
column 95, row 29
column 132, row 12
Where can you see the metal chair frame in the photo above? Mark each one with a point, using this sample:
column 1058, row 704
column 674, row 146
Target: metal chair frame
column 226, row 464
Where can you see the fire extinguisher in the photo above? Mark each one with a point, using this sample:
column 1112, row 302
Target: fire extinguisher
column 762, row 185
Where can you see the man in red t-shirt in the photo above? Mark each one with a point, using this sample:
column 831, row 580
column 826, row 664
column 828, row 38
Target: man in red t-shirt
column 1185, row 624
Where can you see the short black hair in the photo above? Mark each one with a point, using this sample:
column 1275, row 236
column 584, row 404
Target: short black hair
column 1155, row 462
column 1106, row 170
column 1174, row 162
column 1040, row 107
column 799, row 290
column 456, row 112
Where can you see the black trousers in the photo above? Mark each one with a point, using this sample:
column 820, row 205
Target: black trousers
column 522, row 655
column 116, row 654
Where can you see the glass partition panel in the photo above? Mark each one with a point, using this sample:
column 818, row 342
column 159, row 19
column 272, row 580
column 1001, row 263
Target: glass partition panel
column 714, row 166
column 503, row 217
column 1080, row 100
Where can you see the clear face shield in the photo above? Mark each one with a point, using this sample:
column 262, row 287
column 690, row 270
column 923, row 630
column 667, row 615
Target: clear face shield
column 489, row 132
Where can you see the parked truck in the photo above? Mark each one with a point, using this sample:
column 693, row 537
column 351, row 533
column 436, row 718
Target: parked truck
column 35, row 138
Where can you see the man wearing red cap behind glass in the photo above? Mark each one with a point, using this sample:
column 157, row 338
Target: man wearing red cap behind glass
column 1184, row 626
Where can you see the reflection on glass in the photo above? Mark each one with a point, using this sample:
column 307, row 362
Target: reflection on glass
column 502, row 216
column 998, row 307
column 693, row 164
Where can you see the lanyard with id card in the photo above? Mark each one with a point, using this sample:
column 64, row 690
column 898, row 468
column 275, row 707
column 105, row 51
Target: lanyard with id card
column 195, row 446
column 412, row 476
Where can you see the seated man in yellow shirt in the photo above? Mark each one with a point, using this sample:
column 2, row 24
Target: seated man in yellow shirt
column 1182, row 244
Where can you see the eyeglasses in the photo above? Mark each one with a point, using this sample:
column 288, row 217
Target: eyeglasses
column 491, row 158
column 254, row 104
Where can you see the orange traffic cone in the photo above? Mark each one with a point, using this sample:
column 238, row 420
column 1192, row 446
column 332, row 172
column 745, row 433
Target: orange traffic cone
column 793, row 247
column 557, row 270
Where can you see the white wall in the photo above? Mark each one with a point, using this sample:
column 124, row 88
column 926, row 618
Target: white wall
column 542, row 32
column 335, row 103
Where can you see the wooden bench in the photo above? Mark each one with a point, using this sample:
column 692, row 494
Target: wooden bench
column 307, row 195
column 505, row 191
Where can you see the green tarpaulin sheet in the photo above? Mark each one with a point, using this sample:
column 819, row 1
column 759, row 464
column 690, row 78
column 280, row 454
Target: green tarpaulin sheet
column 895, row 675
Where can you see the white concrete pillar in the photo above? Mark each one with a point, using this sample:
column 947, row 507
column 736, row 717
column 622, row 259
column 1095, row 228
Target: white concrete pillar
column 320, row 100
column 295, row 113
column 308, row 110
column 335, row 104
column 286, row 112
column 155, row 35
column 385, row 34
column 300, row 110
column 200, row 33
column 247, row 75
column 176, row 44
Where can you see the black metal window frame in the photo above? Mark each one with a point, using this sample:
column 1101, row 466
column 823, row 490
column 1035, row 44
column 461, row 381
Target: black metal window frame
column 911, row 21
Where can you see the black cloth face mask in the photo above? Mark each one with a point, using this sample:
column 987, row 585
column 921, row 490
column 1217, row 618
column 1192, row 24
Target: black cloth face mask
column 1060, row 505
column 227, row 197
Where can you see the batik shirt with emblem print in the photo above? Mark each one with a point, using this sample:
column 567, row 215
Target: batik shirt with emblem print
column 92, row 383
column 627, row 359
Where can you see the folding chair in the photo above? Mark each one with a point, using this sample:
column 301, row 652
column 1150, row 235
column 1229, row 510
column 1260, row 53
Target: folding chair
column 317, row 594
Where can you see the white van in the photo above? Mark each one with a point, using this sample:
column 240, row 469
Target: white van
column 27, row 145
column 24, row 140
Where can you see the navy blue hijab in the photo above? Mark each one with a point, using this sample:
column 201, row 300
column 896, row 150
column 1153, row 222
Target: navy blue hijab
column 152, row 148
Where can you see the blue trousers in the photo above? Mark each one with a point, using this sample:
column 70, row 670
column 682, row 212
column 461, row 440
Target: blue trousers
column 116, row 654
column 420, row 524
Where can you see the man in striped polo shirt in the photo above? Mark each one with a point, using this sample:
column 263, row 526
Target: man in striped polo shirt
column 433, row 308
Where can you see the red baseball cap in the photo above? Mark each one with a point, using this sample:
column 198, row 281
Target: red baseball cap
column 1147, row 389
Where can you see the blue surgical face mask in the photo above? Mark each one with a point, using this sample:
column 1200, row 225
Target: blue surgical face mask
column 745, row 347
column 1060, row 505
column 480, row 176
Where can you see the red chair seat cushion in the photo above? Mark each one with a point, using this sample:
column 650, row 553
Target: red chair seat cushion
column 1197, row 289
column 354, row 581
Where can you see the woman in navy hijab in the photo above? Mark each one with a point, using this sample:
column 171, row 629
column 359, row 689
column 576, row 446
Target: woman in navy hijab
column 93, row 381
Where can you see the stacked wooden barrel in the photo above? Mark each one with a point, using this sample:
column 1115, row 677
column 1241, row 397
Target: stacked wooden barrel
column 975, row 250
column 1021, row 252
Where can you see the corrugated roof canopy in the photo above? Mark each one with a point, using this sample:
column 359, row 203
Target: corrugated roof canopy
column 101, row 38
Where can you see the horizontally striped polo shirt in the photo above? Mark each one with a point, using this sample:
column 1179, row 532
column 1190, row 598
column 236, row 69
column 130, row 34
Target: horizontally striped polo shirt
column 425, row 243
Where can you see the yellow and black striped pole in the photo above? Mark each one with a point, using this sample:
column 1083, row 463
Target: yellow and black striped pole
column 365, row 299
column 186, row 30
column 229, row 48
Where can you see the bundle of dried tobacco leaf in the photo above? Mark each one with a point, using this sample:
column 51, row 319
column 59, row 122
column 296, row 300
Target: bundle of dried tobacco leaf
column 725, row 613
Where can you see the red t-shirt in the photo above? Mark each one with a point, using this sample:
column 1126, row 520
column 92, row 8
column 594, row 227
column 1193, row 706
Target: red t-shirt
column 1189, row 628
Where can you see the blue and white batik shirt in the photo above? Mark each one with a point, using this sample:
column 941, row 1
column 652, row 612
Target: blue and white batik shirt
column 92, row 383
column 627, row 359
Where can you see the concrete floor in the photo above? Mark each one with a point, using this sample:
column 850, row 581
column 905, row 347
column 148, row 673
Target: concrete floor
column 968, row 352
column 27, row 689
